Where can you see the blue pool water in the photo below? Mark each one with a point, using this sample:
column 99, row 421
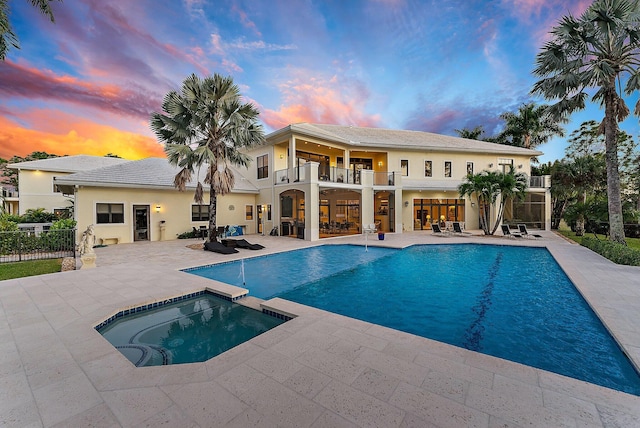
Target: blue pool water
column 188, row 331
column 510, row 302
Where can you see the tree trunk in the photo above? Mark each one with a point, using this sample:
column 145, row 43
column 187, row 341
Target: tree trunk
column 213, row 208
column 616, row 224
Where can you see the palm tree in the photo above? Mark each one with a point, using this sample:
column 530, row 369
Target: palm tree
column 595, row 51
column 206, row 125
column 7, row 37
column 530, row 126
column 490, row 187
column 471, row 134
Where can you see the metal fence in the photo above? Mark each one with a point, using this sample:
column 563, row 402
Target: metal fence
column 16, row 246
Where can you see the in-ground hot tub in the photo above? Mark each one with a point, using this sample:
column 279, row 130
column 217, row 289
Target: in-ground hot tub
column 186, row 329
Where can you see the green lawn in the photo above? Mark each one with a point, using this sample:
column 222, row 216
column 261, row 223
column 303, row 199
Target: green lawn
column 30, row 268
column 631, row 242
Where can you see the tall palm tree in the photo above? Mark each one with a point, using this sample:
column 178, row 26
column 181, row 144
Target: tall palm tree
column 530, row 126
column 7, row 37
column 491, row 187
column 206, row 125
column 597, row 50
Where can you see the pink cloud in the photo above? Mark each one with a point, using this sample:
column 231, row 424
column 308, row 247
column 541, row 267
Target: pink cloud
column 244, row 19
column 21, row 81
column 315, row 100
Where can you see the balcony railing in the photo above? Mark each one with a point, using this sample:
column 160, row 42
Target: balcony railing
column 540, row 182
column 384, row 178
column 338, row 175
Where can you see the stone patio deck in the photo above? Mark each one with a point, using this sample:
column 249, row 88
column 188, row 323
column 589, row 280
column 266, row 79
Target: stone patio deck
column 317, row 370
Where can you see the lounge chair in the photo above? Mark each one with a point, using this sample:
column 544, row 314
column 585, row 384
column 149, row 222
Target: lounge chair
column 242, row 243
column 457, row 229
column 435, row 227
column 524, row 232
column 217, row 247
column 507, row 232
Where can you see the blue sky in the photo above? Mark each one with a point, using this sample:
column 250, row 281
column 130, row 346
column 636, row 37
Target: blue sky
column 88, row 83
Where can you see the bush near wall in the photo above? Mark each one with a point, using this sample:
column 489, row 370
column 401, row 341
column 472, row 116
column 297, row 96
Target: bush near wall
column 615, row 252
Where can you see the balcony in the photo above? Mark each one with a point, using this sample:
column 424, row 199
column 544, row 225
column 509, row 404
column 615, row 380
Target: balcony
column 540, row 182
column 332, row 174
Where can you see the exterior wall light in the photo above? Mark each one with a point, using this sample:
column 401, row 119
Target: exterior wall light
column 157, row 208
column 491, row 165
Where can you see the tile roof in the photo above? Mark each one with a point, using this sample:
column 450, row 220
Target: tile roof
column 402, row 139
column 148, row 173
column 68, row 163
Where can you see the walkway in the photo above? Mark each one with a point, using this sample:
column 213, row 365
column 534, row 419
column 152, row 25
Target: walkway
column 317, row 370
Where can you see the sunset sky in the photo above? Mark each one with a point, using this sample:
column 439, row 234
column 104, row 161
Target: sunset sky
column 87, row 83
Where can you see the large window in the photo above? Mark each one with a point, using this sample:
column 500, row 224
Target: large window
column 428, row 168
column 109, row 213
column 427, row 211
column 263, row 166
column 404, row 166
column 199, row 212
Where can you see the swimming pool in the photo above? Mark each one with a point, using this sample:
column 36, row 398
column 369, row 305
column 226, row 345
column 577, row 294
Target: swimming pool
column 510, row 302
column 185, row 331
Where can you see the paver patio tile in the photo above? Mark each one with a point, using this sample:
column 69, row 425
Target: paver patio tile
column 375, row 383
column 358, row 407
column 208, row 403
column 280, row 404
column 133, row 406
column 332, row 365
column 62, row 400
column 307, row 382
column 274, row 365
column 392, row 366
column 99, row 416
column 436, row 409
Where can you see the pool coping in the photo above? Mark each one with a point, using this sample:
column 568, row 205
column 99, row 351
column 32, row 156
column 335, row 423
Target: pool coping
column 318, row 369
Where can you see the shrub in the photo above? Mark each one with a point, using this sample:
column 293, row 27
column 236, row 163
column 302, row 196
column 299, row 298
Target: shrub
column 60, row 236
column 7, row 225
column 188, row 235
column 615, row 252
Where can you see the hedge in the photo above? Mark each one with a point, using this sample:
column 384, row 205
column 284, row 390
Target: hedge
column 617, row 253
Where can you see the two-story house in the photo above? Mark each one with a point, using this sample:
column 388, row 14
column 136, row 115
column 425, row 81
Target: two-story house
column 307, row 181
column 319, row 181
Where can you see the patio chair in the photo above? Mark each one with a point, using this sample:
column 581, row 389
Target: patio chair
column 507, row 232
column 217, row 247
column 437, row 231
column 524, row 232
column 457, row 229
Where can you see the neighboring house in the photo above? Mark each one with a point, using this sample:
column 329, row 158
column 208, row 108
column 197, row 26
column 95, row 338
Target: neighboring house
column 307, row 181
column 9, row 198
column 322, row 180
column 136, row 201
column 36, row 186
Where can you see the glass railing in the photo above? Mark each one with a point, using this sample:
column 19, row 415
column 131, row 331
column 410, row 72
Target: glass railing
column 540, row 182
column 383, row 178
